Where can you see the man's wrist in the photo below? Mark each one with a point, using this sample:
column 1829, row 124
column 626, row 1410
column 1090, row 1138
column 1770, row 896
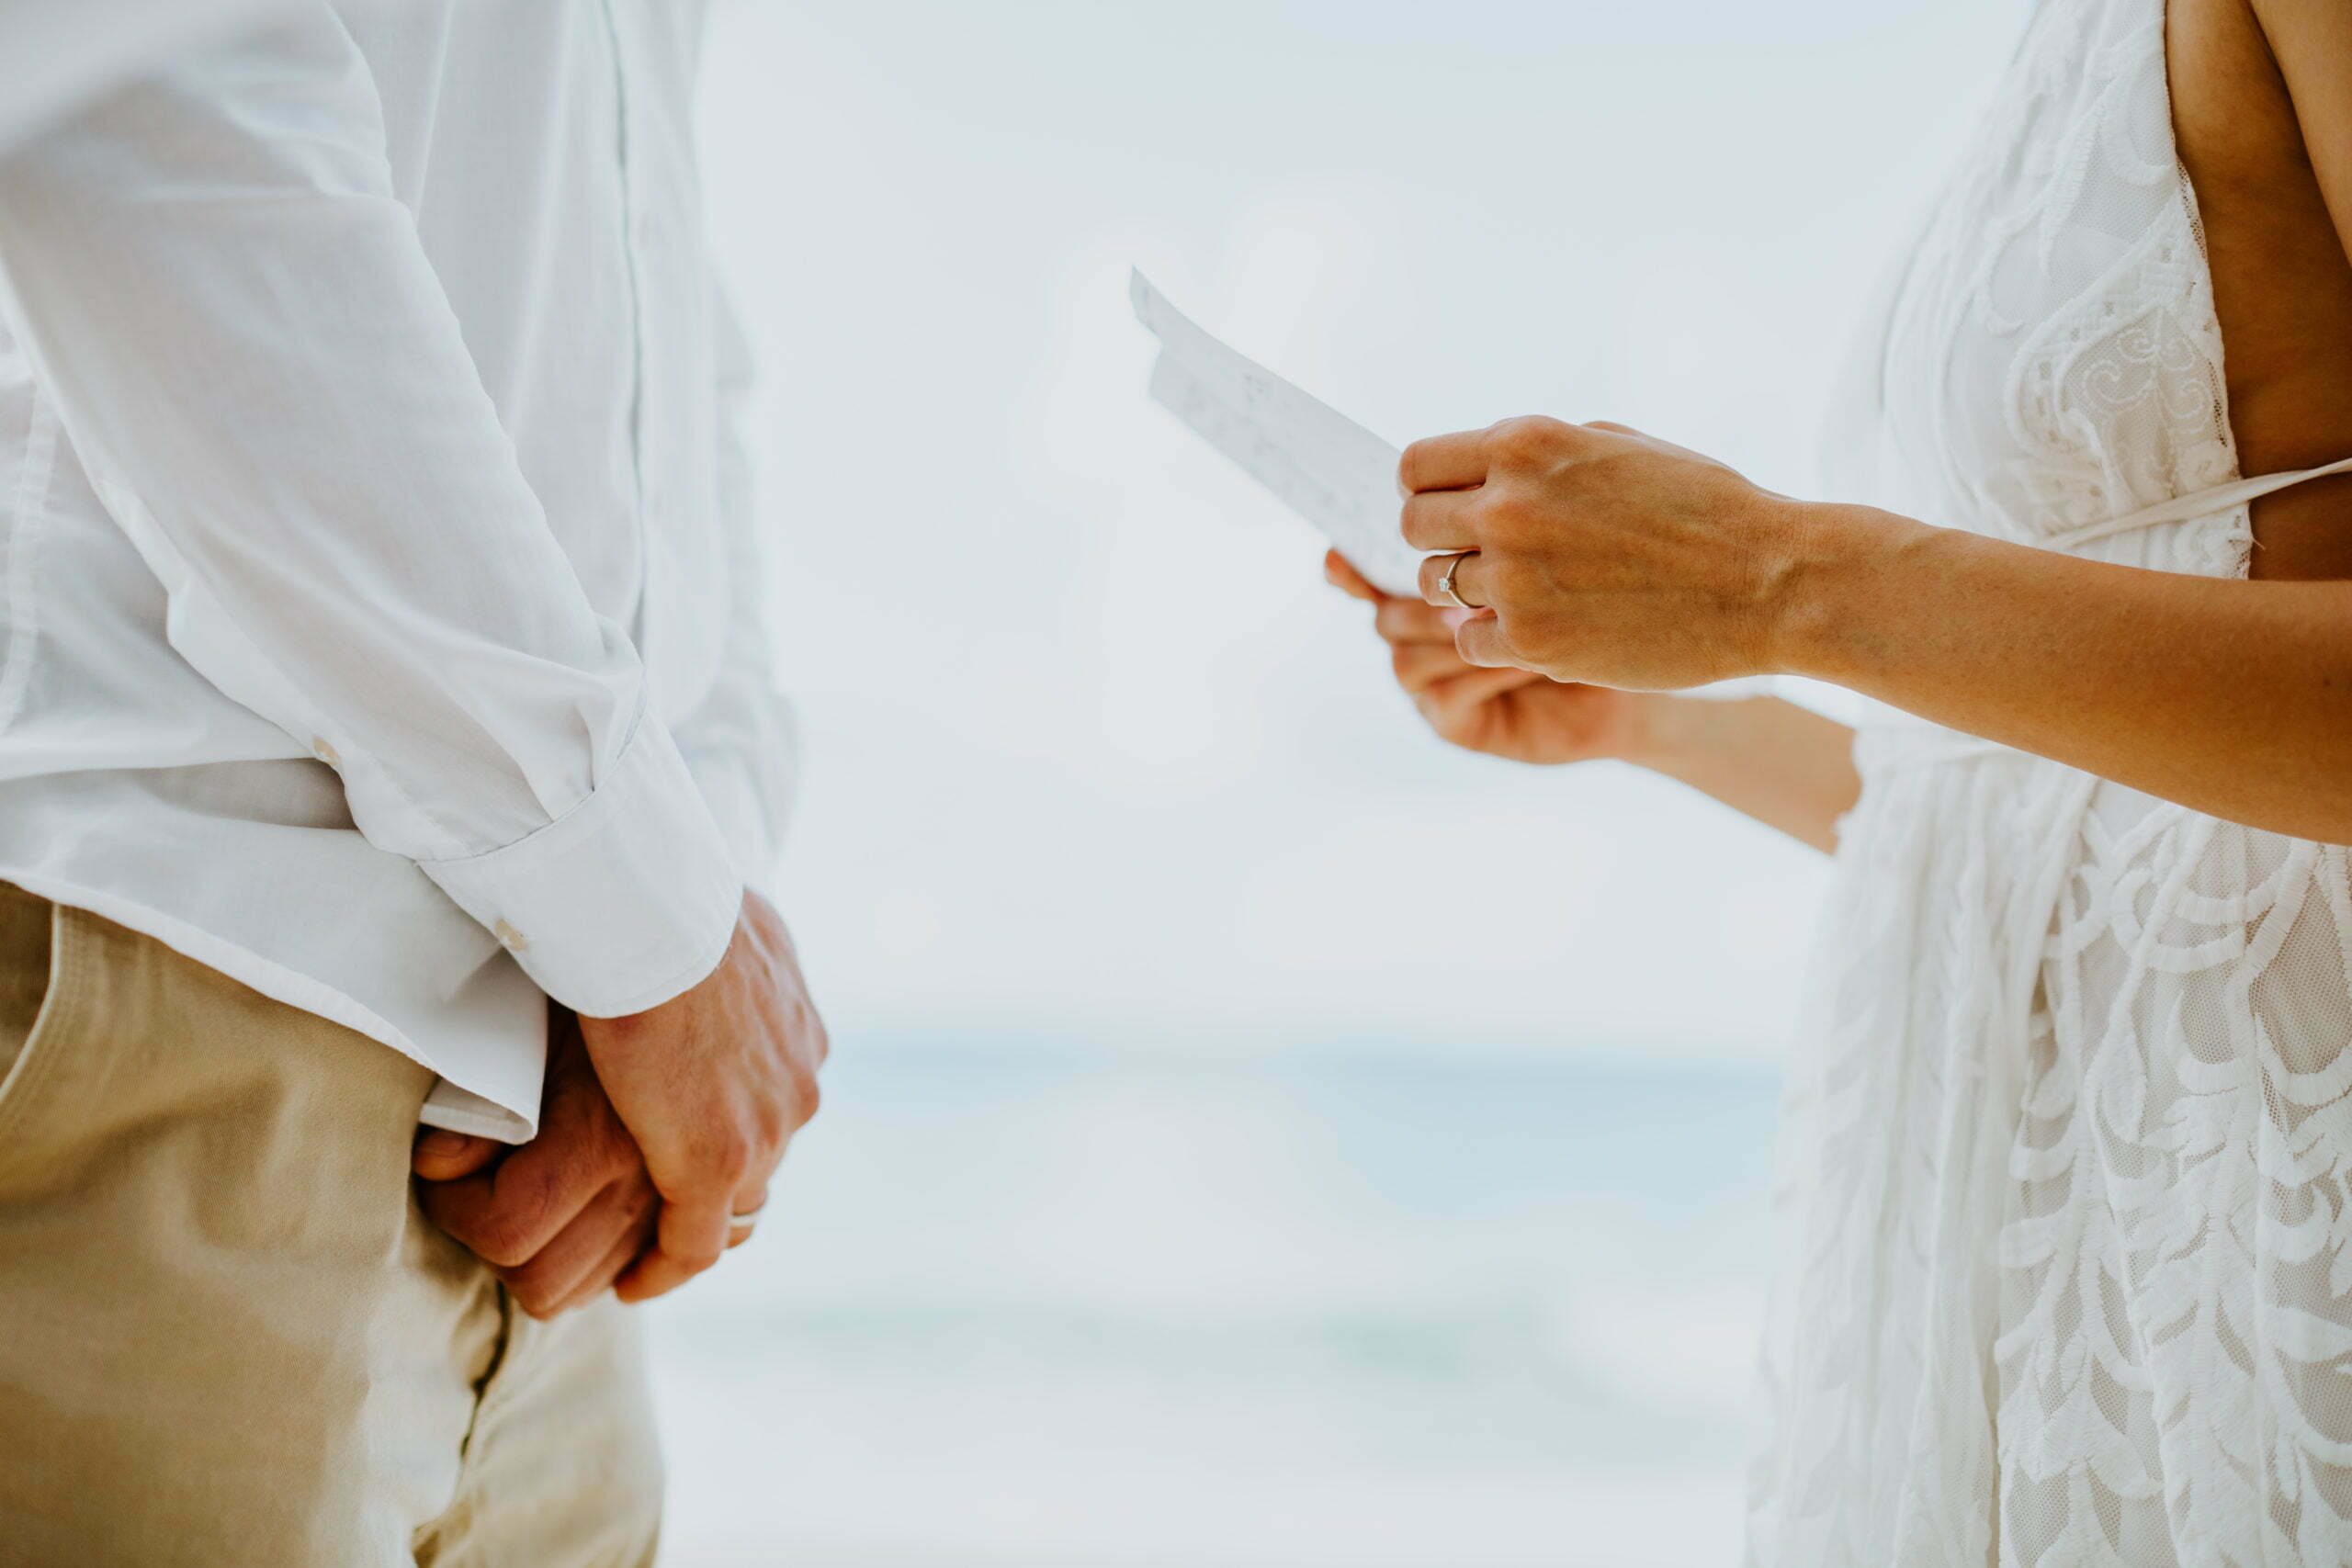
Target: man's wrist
column 623, row 900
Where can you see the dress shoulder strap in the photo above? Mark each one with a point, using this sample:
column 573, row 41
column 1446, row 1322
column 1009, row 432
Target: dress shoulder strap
column 2197, row 504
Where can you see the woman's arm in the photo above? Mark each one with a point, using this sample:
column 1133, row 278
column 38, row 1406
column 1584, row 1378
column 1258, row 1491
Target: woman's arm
column 2231, row 697
column 1786, row 767
column 1606, row 556
column 1609, row 557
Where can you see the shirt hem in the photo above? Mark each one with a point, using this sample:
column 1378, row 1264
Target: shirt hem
column 295, row 989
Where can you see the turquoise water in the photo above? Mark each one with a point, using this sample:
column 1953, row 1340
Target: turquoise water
column 1046, row 1301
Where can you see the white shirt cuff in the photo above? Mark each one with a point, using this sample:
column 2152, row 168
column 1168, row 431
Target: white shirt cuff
column 622, row 902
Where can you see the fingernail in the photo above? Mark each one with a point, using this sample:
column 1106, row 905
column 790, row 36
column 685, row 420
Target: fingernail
column 1454, row 619
column 441, row 1141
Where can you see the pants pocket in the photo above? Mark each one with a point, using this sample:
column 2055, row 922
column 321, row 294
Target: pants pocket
column 37, row 981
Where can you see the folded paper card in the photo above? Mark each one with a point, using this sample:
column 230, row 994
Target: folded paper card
column 1323, row 465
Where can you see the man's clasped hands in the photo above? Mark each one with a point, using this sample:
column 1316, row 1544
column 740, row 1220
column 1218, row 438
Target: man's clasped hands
column 658, row 1135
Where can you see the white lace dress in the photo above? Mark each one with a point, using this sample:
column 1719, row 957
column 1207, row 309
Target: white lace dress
column 2066, row 1187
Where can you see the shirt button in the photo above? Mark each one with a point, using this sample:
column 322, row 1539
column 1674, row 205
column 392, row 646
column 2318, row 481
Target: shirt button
column 325, row 752
column 508, row 937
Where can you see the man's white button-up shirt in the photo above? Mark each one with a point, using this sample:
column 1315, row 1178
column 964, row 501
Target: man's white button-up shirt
column 377, row 577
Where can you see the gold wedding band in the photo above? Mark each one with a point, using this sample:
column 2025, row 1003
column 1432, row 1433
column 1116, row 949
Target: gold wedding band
column 1445, row 588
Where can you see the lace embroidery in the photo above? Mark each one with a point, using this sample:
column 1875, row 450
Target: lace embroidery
column 2066, row 1177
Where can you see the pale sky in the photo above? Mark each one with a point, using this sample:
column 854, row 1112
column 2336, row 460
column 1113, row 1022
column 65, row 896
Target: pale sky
column 1092, row 751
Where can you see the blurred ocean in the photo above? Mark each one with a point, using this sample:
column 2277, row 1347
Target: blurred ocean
column 1057, row 1304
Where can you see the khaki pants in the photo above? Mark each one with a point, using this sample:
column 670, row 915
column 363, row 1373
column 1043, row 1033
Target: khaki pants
column 227, row 1335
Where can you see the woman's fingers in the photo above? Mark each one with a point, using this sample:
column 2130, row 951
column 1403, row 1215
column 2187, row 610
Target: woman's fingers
column 1455, row 582
column 1444, row 462
column 1441, row 520
column 1342, row 574
column 1448, row 704
column 1479, row 641
column 1421, row 665
column 1407, row 622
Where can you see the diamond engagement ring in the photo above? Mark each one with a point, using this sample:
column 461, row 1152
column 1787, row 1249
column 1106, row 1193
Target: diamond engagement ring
column 1445, row 583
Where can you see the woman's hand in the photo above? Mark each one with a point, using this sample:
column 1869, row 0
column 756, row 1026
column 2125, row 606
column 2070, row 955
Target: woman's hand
column 1781, row 764
column 1504, row 712
column 1599, row 554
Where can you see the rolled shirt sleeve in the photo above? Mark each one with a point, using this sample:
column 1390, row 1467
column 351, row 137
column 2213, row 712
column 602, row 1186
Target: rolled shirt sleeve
column 249, row 351
column 643, row 835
